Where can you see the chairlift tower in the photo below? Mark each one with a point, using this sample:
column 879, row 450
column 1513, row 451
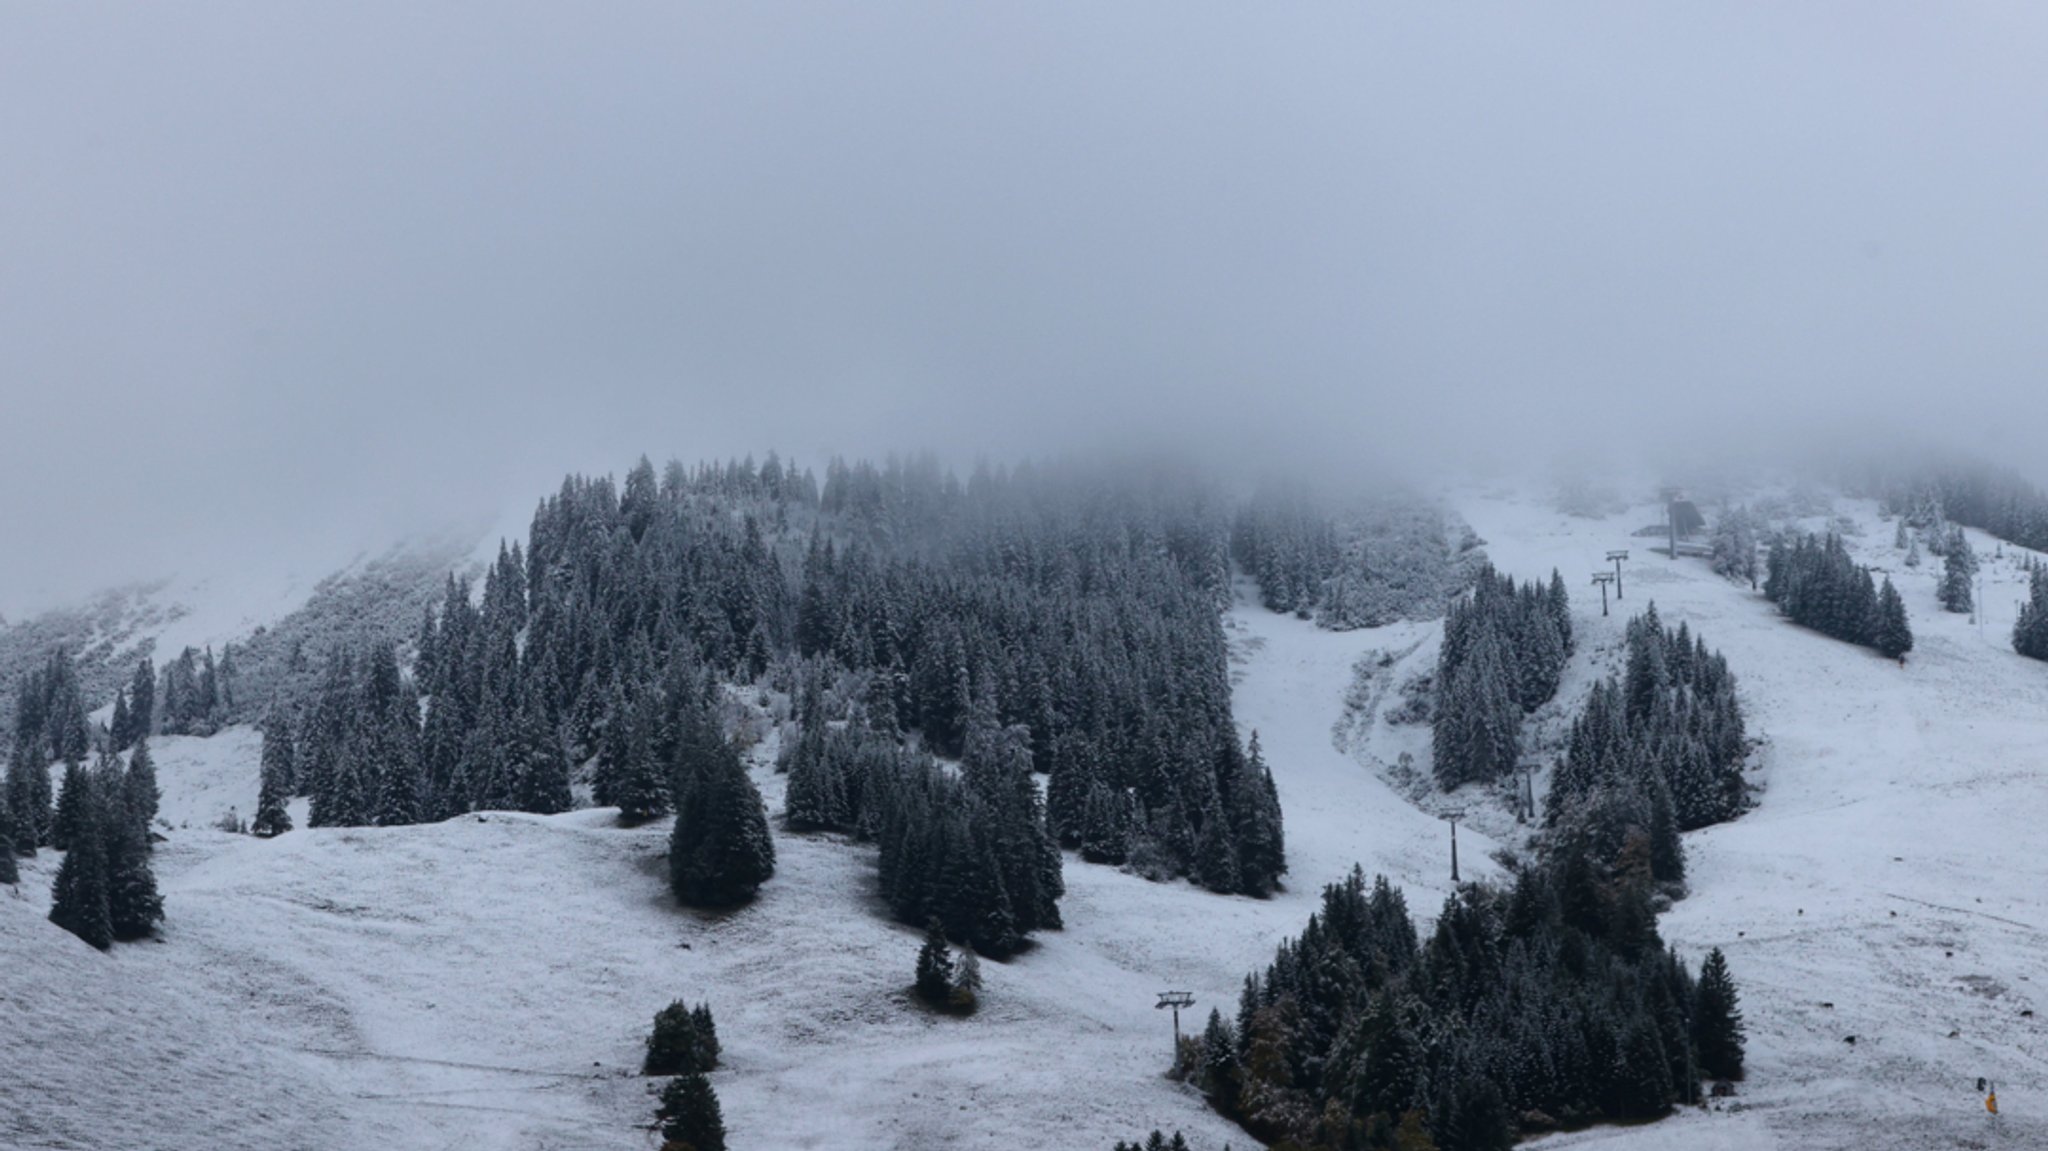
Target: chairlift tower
column 1175, row 1000
column 1603, row 579
column 1453, row 817
column 1615, row 558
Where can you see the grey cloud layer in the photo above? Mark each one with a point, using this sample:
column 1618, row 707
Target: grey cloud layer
column 273, row 276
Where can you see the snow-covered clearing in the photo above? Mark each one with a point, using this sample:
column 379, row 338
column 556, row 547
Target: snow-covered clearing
column 487, row 982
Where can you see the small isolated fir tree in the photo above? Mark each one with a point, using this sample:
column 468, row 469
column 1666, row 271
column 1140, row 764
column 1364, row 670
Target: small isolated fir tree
column 1889, row 632
column 935, row 967
column 9, row 873
column 1958, row 566
column 690, row 1116
column 272, row 818
column 1717, row 1031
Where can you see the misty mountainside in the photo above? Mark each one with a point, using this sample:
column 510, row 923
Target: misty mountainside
column 737, row 736
column 1357, row 562
column 274, row 635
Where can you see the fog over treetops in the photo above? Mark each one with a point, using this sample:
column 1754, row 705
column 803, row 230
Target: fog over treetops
column 282, row 281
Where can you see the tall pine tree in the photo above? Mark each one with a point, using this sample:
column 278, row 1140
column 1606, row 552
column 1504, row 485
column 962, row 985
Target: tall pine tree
column 720, row 850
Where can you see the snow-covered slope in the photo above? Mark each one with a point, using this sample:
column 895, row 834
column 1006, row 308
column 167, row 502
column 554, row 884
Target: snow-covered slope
column 1891, row 885
column 487, row 982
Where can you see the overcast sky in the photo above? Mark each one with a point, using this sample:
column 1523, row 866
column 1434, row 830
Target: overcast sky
column 291, row 276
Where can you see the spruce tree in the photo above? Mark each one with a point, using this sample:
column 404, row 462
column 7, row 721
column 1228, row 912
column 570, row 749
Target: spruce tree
column 1717, row 1031
column 9, row 873
column 707, row 1035
column 816, row 795
column 134, row 906
column 1890, row 634
column 540, row 765
column 640, row 787
column 1216, row 864
column 1219, row 1062
column 1958, row 567
column 29, row 797
column 679, row 1043
column 139, row 788
column 935, row 967
column 142, row 701
column 76, row 807
column 2030, row 632
column 119, row 725
column 720, row 851
column 690, row 1116
column 272, row 815
column 79, row 900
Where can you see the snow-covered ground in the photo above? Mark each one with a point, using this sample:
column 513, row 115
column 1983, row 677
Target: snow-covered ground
column 1891, row 884
column 487, row 982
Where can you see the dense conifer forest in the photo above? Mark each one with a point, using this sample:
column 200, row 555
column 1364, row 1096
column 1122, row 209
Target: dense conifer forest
column 1063, row 622
column 1995, row 500
column 1503, row 652
column 1656, row 751
column 1549, row 1001
column 1814, row 582
column 99, row 817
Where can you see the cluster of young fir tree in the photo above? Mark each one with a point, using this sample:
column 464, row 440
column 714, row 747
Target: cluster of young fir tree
column 1504, row 650
column 362, row 752
column 949, row 983
column 1158, row 1141
column 1655, row 752
column 49, row 727
column 2030, row 631
column 198, row 692
column 1550, row 1002
column 105, row 889
column 970, row 851
column 1815, row 583
column 1736, row 536
column 134, row 708
column 1959, row 561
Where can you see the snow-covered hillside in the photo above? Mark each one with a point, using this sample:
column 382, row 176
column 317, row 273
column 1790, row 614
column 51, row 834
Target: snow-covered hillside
column 487, row 982
column 1890, row 886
